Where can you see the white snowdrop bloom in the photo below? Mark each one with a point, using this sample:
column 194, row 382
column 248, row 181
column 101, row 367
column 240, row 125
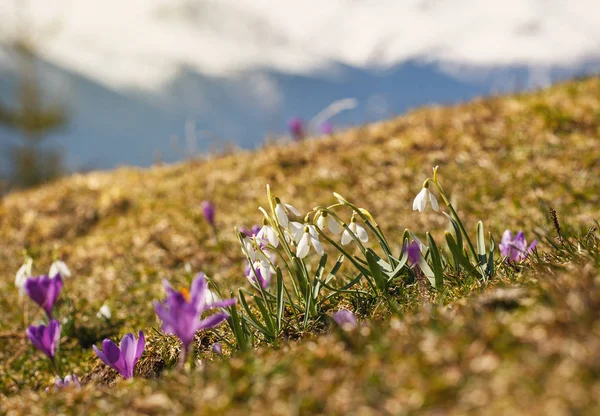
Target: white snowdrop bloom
column 327, row 221
column 210, row 297
column 23, row 273
column 268, row 234
column 104, row 312
column 296, row 230
column 59, row 267
column 357, row 230
column 282, row 211
column 310, row 236
column 420, row 201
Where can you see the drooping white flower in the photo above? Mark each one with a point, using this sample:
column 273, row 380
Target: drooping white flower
column 309, row 237
column 357, row 230
column 420, row 201
column 282, row 211
column 23, row 274
column 104, row 312
column 268, row 234
column 327, row 221
column 59, row 267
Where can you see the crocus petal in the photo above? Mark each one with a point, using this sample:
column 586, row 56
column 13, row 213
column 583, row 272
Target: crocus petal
column 434, row 202
column 223, row 303
column 303, row 248
column 141, row 344
column 213, row 320
column 198, row 291
column 101, row 355
column 532, row 246
column 111, row 351
column 345, row 319
column 128, row 352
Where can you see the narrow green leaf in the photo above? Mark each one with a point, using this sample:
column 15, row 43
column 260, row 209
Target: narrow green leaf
column 460, row 257
column 375, row 269
column 280, row 304
column 436, row 261
column 481, row 251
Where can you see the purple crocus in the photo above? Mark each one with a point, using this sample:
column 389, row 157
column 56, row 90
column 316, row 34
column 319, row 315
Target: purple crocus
column 208, row 209
column 327, row 128
column 414, row 253
column 44, row 291
column 515, row 249
column 217, row 348
column 296, row 126
column 45, row 338
column 181, row 311
column 252, row 231
column 69, row 381
column 122, row 359
column 345, row 319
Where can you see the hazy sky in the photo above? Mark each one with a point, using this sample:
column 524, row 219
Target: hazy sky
column 143, row 43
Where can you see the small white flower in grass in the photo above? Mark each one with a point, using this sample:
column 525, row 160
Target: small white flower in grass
column 268, row 234
column 283, row 210
column 327, row 221
column 420, row 201
column 23, row 273
column 59, row 267
column 309, row 237
column 357, row 230
column 104, row 312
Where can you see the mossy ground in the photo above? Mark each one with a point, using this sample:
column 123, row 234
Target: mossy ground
column 528, row 343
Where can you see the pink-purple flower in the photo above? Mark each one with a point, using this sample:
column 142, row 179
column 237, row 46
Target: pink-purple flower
column 44, row 291
column 209, row 209
column 181, row 311
column 45, row 338
column 414, row 253
column 70, row 380
column 327, row 128
column 296, row 126
column 345, row 319
column 515, row 249
column 123, row 358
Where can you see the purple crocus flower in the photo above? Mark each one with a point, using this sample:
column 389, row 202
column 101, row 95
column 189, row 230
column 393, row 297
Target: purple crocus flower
column 296, row 126
column 260, row 268
column 414, row 253
column 122, row 359
column 252, row 231
column 327, row 128
column 69, row 381
column 208, row 209
column 217, row 348
column 45, row 338
column 44, row 291
column 515, row 249
column 181, row 311
column 345, row 319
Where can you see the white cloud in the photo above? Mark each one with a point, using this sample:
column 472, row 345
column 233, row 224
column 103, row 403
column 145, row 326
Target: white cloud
column 143, row 43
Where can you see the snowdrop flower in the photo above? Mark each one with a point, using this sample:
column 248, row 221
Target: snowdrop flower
column 357, row 230
column 283, row 210
column 104, row 312
column 260, row 272
column 420, row 201
column 309, row 237
column 268, row 234
column 23, row 273
column 327, row 221
column 59, row 267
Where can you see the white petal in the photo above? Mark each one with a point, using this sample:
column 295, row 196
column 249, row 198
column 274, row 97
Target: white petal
column 281, row 215
column 321, row 222
column 250, row 249
column 317, row 245
column 346, row 237
column 434, row 202
column 313, row 231
column 296, row 229
column 334, row 227
column 421, row 200
column 362, row 233
column 272, row 236
column 303, row 247
column 104, row 312
column 59, row 267
column 294, row 210
column 22, row 274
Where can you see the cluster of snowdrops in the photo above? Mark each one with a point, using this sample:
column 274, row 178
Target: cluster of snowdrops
column 288, row 291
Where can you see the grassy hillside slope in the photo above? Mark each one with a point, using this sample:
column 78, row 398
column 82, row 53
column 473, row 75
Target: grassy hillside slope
column 529, row 342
